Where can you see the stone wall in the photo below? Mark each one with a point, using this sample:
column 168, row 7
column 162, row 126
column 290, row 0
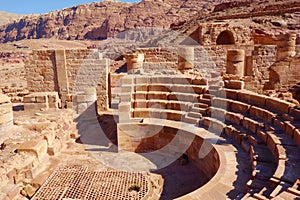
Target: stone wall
column 210, row 163
column 263, row 57
column 160, row 137
column 209, row 33
column 285, row 74
column 40, row 73
column 41, row 101
column 68, row 72
column 159, row 54
column 157, row 60
column 268, row 74
column 211, row 58
column 206, row 58
column 167, row 139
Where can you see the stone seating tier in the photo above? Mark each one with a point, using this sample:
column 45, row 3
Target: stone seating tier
column 266, row 128
column 280, row 144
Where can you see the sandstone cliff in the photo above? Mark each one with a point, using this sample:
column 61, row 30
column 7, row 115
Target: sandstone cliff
column 101, row 20
column 6, row 17
column 266, row 18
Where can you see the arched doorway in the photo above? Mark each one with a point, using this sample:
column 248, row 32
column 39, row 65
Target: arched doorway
column 225, row 37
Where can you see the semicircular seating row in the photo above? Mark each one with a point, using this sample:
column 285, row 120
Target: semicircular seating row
column 268, row 129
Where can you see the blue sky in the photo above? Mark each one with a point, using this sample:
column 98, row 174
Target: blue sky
column 41, row 6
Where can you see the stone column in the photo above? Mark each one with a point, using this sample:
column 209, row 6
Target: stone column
column 186, row 58
column 134, row 61
column 103, row 87
column 62, row 76
column 235, row 62
column 286, row 46
column 85, row 103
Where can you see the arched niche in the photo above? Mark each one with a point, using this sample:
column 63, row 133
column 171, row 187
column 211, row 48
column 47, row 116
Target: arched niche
column 225, row 38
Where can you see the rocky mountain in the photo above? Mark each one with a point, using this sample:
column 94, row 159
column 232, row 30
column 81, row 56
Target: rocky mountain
column 101, row 20
column 6, row 17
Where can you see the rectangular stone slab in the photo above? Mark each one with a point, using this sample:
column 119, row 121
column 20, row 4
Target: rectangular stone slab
column 239, row 107
column 278, row 105
column 36, row 106
column 39, row 147
column 295, row 113
column 262, row 114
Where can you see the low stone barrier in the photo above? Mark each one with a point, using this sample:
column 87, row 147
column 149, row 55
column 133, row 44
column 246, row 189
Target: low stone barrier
column 41, row 101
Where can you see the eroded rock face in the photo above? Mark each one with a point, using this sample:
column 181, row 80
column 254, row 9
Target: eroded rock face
column 100, row 20
column 232, row 4
column 6, row 17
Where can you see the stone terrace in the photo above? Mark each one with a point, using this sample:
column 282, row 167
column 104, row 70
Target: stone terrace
column 265, row 129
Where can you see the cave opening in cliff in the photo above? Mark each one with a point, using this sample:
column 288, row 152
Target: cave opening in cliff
column 225, row 38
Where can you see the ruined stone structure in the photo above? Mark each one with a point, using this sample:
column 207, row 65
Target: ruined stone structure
column 159, row 113
column 201, row 104
column 286, row 46
column 189, row 112
column 41, row 101
column 285, row 72
column 221, row 33
column 69, row 72
column 232, row 50
column 28, row 160
column 220, row 37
